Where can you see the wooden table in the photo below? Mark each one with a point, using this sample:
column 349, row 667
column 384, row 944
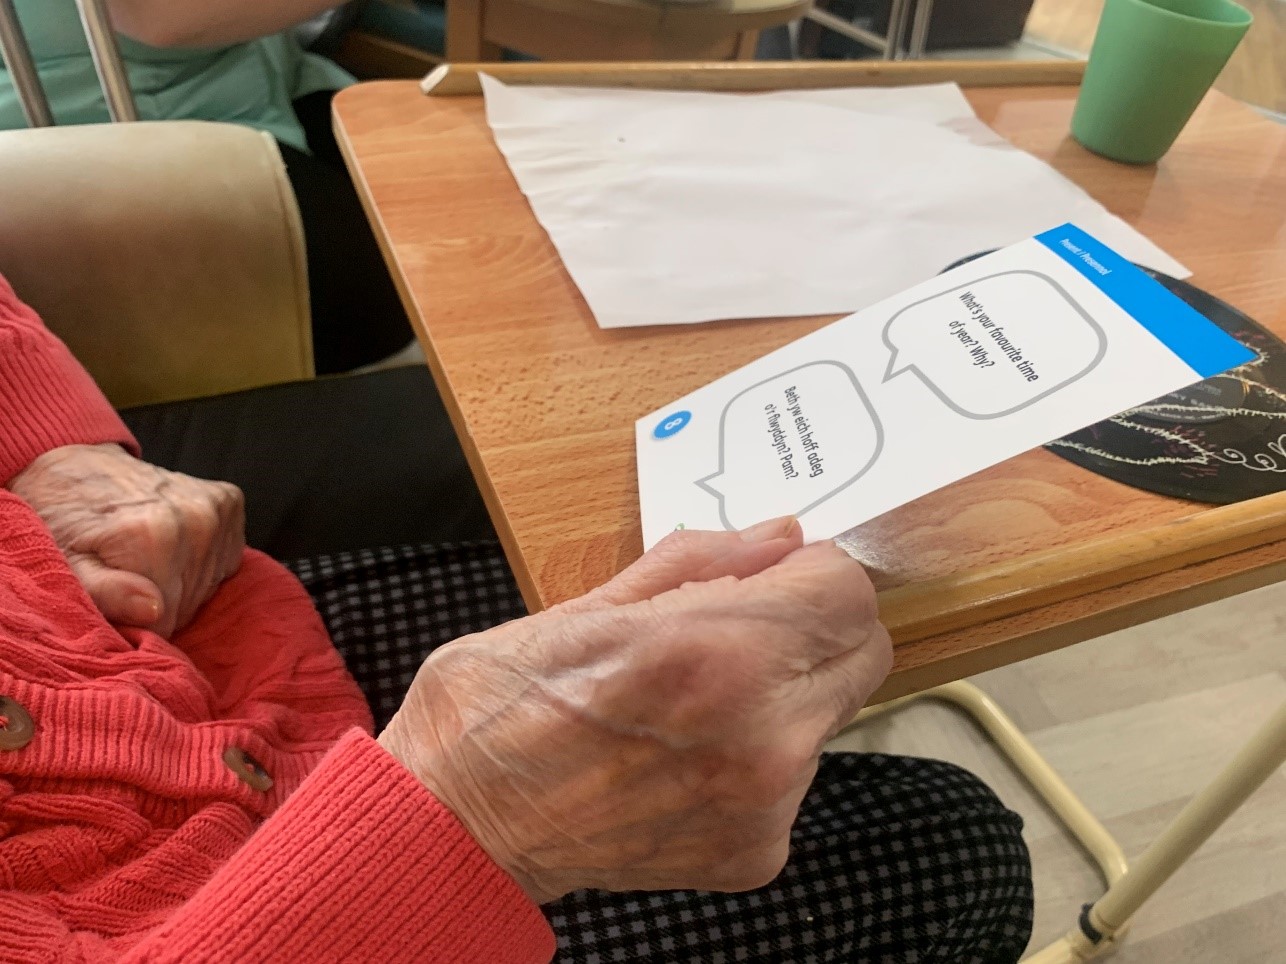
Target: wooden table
column 545, row 401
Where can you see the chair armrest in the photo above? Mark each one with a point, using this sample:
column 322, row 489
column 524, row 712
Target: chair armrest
column 169, row 256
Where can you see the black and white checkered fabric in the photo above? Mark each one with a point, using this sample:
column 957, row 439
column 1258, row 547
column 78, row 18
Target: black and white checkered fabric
column 894, row 860
column 387, row 609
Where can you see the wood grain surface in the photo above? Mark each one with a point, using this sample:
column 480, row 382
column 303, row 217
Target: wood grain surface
column 544, row 400
column 967, row 597
column 461, row 79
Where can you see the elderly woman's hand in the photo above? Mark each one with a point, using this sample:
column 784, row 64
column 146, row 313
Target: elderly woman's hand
column 150, row 546
column 660, row 732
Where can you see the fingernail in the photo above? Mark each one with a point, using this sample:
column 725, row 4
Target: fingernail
column 772, row 529
column 142, row 609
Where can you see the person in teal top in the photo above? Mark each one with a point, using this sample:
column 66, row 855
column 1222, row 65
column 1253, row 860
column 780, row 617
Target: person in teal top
column 236, row 61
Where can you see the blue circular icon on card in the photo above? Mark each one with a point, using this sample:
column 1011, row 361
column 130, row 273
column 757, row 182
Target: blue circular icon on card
column 672, row 424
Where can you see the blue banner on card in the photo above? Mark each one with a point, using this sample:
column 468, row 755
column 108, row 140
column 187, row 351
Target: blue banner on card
column 1202, row 345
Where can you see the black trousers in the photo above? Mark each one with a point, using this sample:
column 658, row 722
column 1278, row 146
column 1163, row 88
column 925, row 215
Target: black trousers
column 357, row 315
column 327, row 465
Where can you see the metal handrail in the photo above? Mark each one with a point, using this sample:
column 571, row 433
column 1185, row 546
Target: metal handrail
column 107, row 60
column 22, row 69
column 102, row 47
column 904, row 15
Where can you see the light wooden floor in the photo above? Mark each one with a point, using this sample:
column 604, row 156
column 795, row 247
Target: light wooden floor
column 1256, row 73
column 1136, row 722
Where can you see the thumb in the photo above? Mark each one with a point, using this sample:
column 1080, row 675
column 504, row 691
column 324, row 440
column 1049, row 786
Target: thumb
column 123, row 597
column 691, row 555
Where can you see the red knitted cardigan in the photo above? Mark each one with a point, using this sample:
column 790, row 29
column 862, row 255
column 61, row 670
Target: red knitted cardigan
column 123, row 833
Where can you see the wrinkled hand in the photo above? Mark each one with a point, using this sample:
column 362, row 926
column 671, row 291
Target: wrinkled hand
column 659, row 733
column 150, row 546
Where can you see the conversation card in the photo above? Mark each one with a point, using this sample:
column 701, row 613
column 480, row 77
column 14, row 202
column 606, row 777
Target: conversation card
column 972, row 367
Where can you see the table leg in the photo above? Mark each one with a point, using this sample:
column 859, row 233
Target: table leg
column 920, row 29
column 1105, row 922
column 899, row 14
column 839, row 25
column 1011, row 741
column 1102, row 921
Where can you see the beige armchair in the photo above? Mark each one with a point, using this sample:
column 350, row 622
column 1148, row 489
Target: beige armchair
column 169, row 256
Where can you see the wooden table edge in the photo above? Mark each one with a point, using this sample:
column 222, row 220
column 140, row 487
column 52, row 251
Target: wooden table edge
column 461, row 79
column 1140, row 608
column 495, row 508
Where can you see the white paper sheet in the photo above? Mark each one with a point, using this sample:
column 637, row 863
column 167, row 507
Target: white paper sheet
column 940, row 381
column 680, row 207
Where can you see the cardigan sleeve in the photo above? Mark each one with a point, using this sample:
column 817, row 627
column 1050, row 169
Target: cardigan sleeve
column 47, row 400
column 363, row 862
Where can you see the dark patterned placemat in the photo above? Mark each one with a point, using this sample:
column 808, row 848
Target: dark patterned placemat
column 1222, row 440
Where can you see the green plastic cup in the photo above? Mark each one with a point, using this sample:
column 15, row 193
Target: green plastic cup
column 1152, row 62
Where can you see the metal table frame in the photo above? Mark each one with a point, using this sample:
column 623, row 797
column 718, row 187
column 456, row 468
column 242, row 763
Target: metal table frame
column 903, row 14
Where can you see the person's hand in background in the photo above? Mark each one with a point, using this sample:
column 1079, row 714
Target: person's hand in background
column 660, row 732
column 150, row 546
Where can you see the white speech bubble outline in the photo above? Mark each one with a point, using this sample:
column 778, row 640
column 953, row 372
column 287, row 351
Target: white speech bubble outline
column 889, row 373
column 704, row 483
